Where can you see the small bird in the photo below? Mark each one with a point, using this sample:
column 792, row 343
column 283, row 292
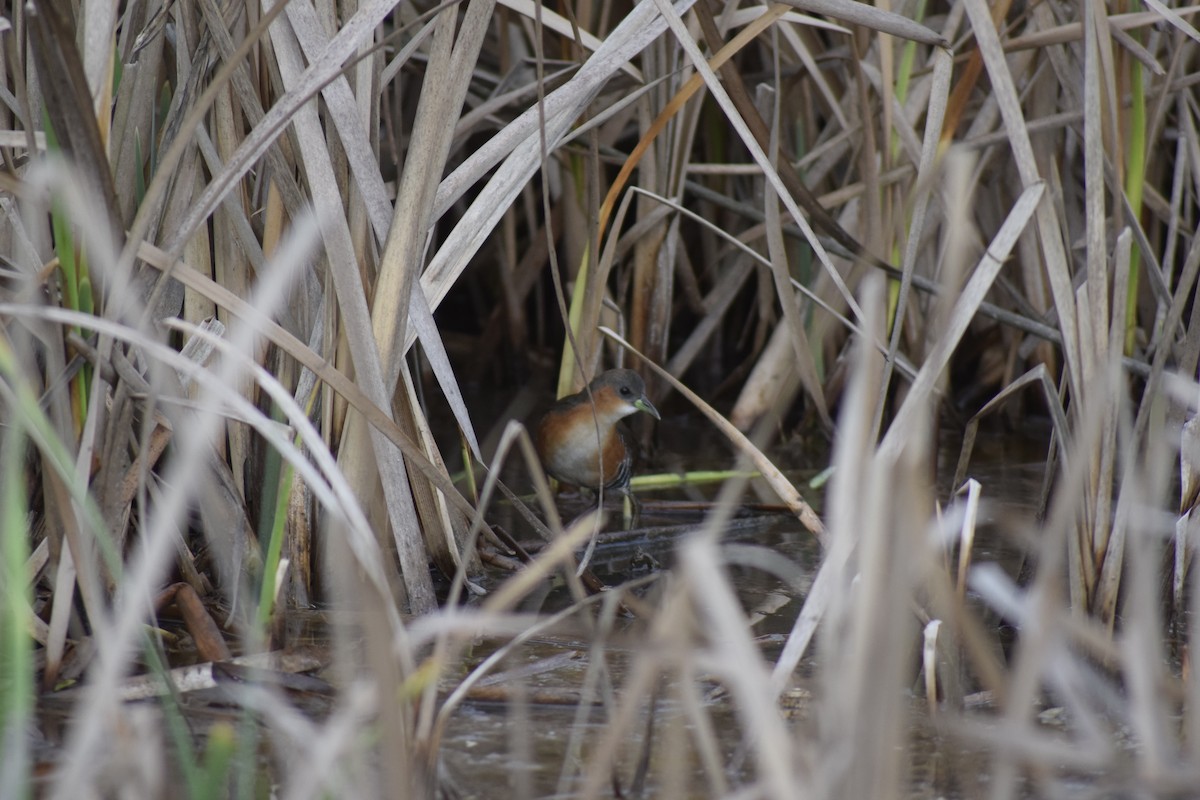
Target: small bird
column 566, row 437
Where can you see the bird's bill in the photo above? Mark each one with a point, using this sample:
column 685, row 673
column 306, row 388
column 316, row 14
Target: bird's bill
column 645, row 405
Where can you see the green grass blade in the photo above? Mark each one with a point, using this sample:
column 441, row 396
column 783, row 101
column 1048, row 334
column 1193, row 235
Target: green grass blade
column 16, row 649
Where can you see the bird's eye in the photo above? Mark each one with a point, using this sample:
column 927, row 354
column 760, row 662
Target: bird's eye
column 626, row 391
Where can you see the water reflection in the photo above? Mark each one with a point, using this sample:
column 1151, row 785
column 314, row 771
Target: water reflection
column 523, row 745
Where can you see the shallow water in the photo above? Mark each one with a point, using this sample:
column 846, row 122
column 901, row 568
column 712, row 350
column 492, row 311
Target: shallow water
column 514, row 738
column 523, row 745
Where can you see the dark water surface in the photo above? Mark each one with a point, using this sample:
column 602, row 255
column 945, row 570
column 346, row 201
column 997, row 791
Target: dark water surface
column 529, row 737
column 523, row 746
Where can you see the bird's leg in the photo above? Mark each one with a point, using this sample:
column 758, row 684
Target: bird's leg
column 631, row 509
column 598, row 507
column 597, row 499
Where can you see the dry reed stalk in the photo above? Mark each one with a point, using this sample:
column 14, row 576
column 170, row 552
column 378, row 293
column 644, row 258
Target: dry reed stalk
column 198, row 138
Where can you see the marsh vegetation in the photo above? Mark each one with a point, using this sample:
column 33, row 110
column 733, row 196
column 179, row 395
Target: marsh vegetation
column 279, row 279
